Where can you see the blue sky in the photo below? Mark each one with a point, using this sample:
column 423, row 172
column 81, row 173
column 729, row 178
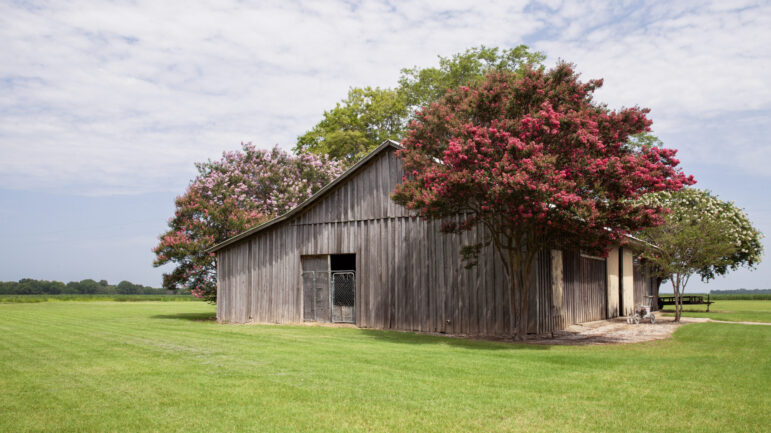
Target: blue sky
column 104, row 107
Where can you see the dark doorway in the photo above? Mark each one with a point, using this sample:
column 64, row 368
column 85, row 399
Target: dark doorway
column 343, row 269
column 343, row 262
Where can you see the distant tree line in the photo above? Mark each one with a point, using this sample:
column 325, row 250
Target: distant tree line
column 29, row 286
column 741, row 292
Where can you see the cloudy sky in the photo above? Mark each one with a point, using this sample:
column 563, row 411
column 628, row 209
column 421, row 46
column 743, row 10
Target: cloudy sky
column 104, row 107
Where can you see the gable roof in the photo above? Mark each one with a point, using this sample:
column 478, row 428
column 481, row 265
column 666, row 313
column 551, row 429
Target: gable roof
column 388, row 144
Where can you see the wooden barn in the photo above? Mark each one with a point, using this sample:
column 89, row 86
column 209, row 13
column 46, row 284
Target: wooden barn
column 350, row 254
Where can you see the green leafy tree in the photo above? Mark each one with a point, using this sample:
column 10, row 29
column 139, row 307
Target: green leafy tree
column 55, row 287
column 128, row 288
column 368, row 116
column 701, row 235
column 363, row 120
column 422, row 86
column 88, row 286
column 644, row 140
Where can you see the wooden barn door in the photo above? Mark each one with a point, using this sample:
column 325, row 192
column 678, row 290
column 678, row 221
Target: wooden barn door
column 585, row 293
column 593, row 288
column 315, row 278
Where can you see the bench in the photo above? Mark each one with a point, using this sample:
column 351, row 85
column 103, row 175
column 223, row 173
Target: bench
column 687, row 300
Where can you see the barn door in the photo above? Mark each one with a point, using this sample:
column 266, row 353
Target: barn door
column 343, row 296
column 343, row 299
column 315, row 279
column 593, row 293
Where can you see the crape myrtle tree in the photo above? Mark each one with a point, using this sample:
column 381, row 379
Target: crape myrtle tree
column 533, row 159
column 228, row 196
column 701, row 235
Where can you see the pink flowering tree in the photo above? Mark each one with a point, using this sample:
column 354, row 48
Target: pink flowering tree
column 239, row 191
column 539, row 164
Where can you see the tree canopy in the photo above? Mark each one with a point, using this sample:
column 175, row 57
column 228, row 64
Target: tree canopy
column 701, row 235
column 533, row 159
column 358, row 124
column 227, row 197
column 422, row 86
column 368, row 116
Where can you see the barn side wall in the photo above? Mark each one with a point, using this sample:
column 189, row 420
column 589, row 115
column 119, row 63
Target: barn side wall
column 410, row 276
column 259, row 279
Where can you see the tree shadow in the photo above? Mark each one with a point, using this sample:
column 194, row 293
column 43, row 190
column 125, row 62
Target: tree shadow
column 195, row 317
column 464, row 342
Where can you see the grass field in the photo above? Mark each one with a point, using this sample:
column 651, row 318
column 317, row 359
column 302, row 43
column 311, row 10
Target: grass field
column 731, row 311
column 31, row 299
column 107, row 366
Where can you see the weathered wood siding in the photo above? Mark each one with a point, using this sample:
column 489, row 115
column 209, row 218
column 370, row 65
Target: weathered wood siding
column 585, row 297
column 259, row 279
column 409, row 275
column 363, row 197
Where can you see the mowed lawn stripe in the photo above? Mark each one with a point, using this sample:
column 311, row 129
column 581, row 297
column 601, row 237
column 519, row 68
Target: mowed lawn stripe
column 150, row 367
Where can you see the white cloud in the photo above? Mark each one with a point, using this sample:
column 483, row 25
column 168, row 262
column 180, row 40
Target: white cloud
column 699, row 67
column 102, row 98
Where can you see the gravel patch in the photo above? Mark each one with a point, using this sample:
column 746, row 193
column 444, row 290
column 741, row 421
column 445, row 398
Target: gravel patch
column 614, row 331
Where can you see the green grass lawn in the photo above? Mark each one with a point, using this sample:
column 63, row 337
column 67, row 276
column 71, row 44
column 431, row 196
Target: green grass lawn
column 108, row 366
column 31, row 299
column 731, row 311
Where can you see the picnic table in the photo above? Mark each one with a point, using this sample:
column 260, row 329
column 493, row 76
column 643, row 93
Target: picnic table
column 687, row 300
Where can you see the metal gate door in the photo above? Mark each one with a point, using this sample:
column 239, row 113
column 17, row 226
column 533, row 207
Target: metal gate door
column 343, row 296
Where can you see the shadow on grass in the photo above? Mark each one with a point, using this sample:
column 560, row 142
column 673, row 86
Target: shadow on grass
column 195, row 317
column 398, row 337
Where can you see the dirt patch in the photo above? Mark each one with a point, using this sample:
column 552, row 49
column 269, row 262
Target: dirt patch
column 327, row 324
column 309, row 324
column 614, row 331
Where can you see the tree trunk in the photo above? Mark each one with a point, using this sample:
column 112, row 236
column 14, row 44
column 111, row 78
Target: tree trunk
column 519, row 291
column 678, row 298
column 524, row 299
column 513, row 304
